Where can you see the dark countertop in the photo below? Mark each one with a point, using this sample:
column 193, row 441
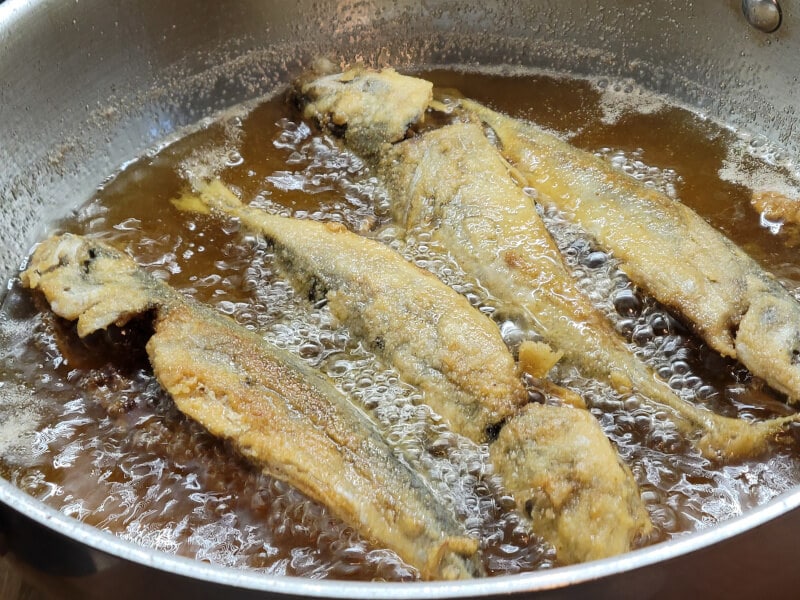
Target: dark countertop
column 12, row 586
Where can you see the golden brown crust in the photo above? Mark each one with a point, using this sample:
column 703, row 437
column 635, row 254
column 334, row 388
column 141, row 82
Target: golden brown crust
column 568, row 479
column 453, row 181
column 668, row 249
column 435, row 339
column 353, row 105
column 277, row 411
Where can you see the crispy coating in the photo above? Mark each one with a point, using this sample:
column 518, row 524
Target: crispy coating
column 667, row 249
column 538, row 451
column 353, row 105
column 283, row 415
column 537, row 358
column 431, row 334
column 124, row 292
column 453, row 181
column 565, row 475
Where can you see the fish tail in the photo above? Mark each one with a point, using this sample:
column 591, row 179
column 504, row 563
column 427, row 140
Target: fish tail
column 719, row 438
column 209, row 196
column 455, row 558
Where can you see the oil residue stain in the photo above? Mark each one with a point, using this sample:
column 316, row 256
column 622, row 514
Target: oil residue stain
column 108, row 447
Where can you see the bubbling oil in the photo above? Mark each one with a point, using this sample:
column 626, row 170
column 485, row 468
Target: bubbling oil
column 88, row 430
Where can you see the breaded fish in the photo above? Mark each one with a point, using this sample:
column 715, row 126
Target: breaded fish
column 284, row 416
column 457, row 357
column 431, row 334
column 579, row 495
column 665, row 248
column 454, row 182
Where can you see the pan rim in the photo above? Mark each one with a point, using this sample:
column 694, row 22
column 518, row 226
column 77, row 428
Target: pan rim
column 549, row 579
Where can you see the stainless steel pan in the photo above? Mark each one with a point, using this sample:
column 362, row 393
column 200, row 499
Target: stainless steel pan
column 86, row 85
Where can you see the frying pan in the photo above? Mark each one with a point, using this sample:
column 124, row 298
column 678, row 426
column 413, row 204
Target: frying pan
column 87, row 85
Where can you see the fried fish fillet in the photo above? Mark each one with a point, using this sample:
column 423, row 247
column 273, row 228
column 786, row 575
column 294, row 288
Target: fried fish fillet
column 431, row 334
column 665, row 248
column 284, row 416
column 380, row 295
column 579, row 495
column 454, row 182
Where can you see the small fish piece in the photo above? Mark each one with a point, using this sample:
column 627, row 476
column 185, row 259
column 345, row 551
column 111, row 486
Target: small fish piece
column 579, row 496
column 776, row 206
column 435, row 339
column 666, row 248
column 353, row 105
column 453, row 182
column 280, row 413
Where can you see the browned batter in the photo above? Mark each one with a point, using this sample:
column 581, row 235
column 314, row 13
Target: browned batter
column 278, row 412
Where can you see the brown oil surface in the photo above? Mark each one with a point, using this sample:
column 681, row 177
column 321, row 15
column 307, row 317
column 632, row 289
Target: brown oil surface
column 100, row 441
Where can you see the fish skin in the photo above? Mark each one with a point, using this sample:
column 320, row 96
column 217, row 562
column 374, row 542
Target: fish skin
column 666, row 248
column 431, row 334
column 277, row 411
column 453, row 181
